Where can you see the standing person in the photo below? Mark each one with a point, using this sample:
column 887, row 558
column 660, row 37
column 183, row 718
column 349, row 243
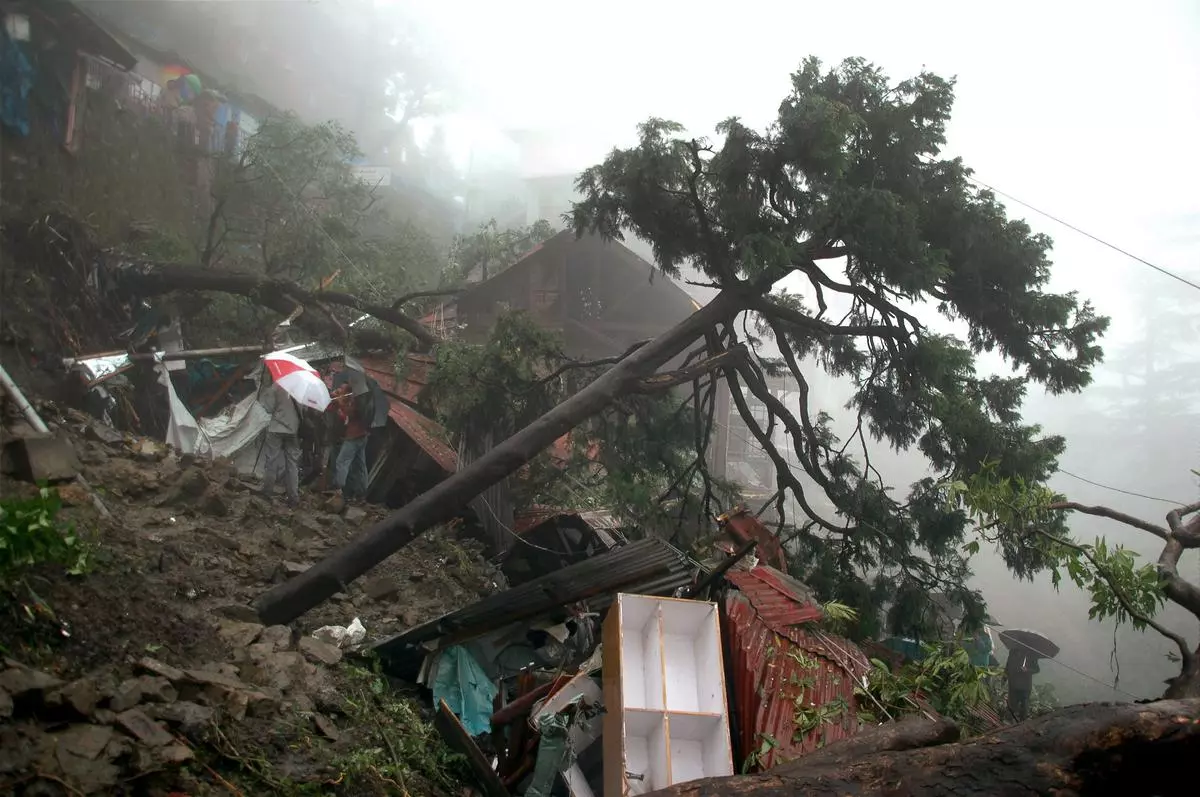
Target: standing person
column 1020, row 669
column 350, row 473
column 282, row 446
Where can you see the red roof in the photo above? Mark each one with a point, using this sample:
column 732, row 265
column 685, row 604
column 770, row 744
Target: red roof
column 779, row 666
column 744, row 526
column 416, row 375
column 425, row 432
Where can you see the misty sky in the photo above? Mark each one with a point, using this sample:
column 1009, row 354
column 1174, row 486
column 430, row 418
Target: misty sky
column 1088, row 110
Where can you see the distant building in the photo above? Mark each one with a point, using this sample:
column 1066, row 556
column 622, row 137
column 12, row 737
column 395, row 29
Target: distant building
column 601, row 296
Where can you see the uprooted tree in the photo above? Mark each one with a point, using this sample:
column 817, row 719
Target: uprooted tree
column 845, row 195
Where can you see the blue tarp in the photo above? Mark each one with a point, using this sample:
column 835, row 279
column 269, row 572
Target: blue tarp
column 466, row 688
column 16, row 81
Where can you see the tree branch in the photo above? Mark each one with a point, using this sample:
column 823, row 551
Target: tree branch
column 1126, row 604
column 1112, row 514
column 408, row 297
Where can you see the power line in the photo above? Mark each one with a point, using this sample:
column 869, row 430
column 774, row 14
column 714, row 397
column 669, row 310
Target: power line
column 1119, row 490
column 1085, row 233
column 1081, row 673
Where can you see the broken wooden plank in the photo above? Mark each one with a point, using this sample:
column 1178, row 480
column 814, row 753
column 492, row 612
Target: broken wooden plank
column 460, row 741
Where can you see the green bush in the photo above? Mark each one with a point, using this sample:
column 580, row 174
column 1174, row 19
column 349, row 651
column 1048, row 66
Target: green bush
column 31, row 535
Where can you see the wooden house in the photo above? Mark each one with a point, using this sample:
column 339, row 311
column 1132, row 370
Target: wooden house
column 601, row 296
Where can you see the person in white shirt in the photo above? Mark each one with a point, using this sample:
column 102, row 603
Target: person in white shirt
column 282, row 446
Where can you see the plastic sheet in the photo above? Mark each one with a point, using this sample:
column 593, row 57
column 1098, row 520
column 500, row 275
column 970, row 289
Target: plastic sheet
column 468, row 691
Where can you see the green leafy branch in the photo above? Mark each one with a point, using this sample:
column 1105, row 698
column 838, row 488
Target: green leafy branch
column 1118, row 587
column 944, row 680
column 31, row 535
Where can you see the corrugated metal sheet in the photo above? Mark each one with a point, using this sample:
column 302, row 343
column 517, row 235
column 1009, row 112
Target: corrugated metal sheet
column 778, row 666
column 416, row 375
column 650, row 567
column 425, row 433
column 744, row 526
column 598, row 519
column 781, row 601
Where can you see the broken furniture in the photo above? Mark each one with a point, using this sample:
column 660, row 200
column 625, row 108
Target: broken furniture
column 666, row 718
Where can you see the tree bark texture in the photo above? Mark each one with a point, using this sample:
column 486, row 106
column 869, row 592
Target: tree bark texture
column 289, row 600
column 1105, row 748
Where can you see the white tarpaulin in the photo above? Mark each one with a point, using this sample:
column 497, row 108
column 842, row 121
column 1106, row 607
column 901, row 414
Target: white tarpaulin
column 235, row 434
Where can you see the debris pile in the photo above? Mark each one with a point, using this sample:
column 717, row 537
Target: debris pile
column 154, row 659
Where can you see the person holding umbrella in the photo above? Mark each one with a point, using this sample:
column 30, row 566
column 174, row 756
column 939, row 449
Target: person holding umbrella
column 282, row 444
column 292, row 380
column 1025, row 647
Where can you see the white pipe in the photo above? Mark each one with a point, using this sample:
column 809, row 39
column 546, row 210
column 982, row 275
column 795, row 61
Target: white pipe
column 10, row 387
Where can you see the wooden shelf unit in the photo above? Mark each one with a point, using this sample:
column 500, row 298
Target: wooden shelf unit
column 666, row 719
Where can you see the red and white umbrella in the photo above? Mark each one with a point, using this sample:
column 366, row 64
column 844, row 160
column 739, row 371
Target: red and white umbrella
column 299, row 379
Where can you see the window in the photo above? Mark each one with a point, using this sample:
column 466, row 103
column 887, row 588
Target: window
column 544, row 299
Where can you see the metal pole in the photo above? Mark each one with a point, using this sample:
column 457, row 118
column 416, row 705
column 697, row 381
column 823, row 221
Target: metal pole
column 10, row 387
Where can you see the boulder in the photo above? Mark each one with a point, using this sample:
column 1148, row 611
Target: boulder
column 43, row 459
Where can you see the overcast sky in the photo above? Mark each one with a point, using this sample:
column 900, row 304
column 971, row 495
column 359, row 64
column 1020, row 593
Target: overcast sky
column 1088, row 110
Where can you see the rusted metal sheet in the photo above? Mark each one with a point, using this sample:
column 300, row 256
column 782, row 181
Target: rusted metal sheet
column 743, row 526
column 780, row 600
column 598, row 519
column 425, row 433
column 416, row 375
column 781, row 669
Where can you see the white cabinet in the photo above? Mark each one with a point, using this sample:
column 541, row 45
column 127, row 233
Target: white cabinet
column 666, row 721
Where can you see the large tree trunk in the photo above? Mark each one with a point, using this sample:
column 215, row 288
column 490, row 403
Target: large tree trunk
column 292, row 598
column 1124, row 749
column 282, row 296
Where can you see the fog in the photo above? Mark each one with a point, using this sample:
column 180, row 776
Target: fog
column 1088, row 111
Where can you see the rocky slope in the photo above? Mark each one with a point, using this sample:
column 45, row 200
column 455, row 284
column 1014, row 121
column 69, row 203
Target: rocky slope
column 148, row 673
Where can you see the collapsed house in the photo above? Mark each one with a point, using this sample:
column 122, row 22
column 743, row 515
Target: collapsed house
column 637, row 654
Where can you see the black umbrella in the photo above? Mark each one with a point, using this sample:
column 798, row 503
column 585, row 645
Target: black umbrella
column 1024, row 640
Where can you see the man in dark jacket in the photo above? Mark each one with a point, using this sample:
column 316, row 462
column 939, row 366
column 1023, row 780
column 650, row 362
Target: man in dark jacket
column 350, row 472
column 1020, row 669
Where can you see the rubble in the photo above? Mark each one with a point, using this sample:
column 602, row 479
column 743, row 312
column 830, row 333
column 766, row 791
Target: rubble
column 158, row 646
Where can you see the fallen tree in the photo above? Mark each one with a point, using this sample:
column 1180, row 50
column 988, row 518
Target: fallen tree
column 845, row 196
column 329, row 576
column 1090, row 749
column 283, row 296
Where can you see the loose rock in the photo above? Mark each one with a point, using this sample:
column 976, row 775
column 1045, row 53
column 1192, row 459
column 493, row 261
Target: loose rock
column 144, row 729
column 381, row 588
column 20, row 681
column 238, row 634
column 190, row 717
column 320, row 652
column 156, row 667
column 85, row 741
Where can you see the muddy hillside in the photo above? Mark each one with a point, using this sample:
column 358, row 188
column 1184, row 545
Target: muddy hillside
column 145, row 672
